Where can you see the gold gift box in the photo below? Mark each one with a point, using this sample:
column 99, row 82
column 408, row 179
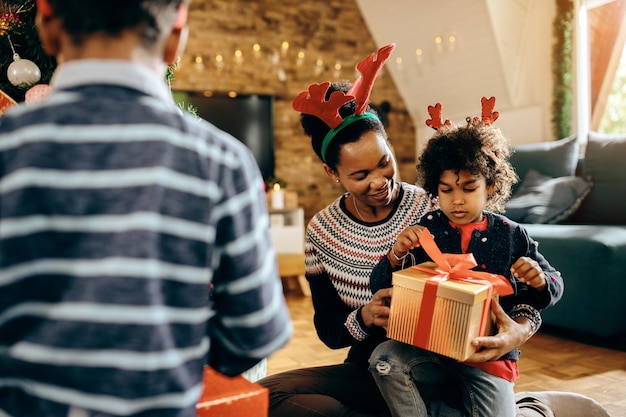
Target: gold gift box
column 456, row 319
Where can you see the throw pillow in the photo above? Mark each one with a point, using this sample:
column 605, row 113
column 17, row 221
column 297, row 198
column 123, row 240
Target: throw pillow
column 604, row 165
column 555, row 159
column 543, row 199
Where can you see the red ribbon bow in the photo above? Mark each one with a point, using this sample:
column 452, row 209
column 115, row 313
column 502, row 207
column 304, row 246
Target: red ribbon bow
column 451, row 266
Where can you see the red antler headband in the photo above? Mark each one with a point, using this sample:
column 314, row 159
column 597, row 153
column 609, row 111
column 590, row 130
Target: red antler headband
column 488, row 116
column 312, row 101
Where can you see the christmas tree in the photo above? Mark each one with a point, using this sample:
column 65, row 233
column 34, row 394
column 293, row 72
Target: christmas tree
column 18, row 35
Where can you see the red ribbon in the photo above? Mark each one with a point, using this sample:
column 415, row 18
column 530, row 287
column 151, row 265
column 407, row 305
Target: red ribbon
column 451, row 266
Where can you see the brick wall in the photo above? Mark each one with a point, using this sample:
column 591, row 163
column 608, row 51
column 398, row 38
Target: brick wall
column 327, row 30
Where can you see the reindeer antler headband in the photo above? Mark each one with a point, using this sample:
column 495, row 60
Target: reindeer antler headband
column 313, row 101
column 488, row 116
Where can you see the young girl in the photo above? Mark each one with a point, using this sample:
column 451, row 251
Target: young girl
column 467, row 168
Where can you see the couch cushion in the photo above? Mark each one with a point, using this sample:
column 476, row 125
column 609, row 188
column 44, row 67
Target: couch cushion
column 542, row 199
column 591, row 260
column 555, row 159
column 605, row 166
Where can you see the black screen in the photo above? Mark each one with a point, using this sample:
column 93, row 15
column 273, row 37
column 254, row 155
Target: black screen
column 247, row 118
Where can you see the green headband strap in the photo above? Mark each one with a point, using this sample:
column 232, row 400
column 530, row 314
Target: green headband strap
column 347, row 121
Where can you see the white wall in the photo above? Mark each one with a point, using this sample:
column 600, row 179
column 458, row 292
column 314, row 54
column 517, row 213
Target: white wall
column 503, row 48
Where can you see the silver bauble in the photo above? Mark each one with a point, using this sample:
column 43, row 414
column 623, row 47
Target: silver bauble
column 23, row 73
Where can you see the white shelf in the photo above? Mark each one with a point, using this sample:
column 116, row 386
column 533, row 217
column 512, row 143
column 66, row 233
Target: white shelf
column 287, row 230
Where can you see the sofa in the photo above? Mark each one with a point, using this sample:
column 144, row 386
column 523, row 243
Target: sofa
column 573, row 204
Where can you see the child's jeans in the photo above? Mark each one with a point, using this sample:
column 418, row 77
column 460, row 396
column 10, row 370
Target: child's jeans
column 419, row 383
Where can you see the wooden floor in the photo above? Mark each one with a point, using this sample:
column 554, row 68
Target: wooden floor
column 549, row 362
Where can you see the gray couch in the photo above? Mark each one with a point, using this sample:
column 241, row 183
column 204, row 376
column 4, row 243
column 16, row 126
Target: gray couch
column 575, row 208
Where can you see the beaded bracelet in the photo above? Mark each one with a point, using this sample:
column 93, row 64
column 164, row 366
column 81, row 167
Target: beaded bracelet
column 529, row 312
column 396, row 257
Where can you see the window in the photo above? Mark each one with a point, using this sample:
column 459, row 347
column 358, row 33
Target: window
column 602, row 20
column 614, row 116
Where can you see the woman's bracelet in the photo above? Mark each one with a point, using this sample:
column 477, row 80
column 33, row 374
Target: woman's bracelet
column 396, row 257
column 530, row 313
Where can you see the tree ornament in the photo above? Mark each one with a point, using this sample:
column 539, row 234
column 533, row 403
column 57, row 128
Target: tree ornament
column 22, row 73
column 37, row 93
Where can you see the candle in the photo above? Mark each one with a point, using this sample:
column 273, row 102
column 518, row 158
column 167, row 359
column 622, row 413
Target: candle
column 278, row 197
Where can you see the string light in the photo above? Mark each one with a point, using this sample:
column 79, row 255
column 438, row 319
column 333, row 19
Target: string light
column 337, row 71
column 319, row 66
column 199, row 63
column 418, row 55
column 274, row 58
column 399, row 63
column 256, row 50
column 452, row 42
column 238, row 57
column 300, row 60
column 439, row 43
column 219, row 61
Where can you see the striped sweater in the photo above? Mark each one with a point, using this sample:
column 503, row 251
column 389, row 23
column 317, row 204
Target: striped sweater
column 134, row 248
column 341, row 252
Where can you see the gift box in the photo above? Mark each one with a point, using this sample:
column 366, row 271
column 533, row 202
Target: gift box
column 224, row 396
column 442, row 306
column 459, row 312
column 5, row 102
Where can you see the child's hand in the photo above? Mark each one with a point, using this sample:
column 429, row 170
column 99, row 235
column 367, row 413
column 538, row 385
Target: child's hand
column 407, row 240
column 529, row 272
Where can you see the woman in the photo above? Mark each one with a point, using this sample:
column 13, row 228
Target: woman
column 343, row 243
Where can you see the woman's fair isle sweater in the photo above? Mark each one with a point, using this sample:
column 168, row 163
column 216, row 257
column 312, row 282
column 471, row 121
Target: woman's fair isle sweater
column 341, row 251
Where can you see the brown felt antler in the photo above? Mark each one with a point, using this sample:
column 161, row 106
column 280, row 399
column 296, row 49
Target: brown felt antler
column 488, row 115
column 313, row 101
column 369, row 67
column 435, row 121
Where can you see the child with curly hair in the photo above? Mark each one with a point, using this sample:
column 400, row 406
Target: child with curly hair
column 467, row 169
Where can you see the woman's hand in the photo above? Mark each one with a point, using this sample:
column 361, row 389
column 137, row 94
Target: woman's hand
column 511, row 334
column 376, row 312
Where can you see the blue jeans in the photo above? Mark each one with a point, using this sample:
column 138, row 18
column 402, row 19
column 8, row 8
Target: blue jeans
column 419, row 383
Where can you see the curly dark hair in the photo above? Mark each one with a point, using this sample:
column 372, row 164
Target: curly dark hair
column 84, row 17
column 478, row 148
column 316, row 129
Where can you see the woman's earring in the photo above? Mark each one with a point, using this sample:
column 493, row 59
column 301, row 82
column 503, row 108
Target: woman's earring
column 336, row 179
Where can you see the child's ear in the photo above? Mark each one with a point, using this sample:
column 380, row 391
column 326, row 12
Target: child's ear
column 175, row 45
column 48, row 28
column 43, row 8
column 177, row 39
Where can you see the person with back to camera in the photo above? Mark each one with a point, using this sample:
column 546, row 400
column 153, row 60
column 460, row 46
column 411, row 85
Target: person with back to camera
column 344, row 241
column 118, row 213
column 467, row 169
